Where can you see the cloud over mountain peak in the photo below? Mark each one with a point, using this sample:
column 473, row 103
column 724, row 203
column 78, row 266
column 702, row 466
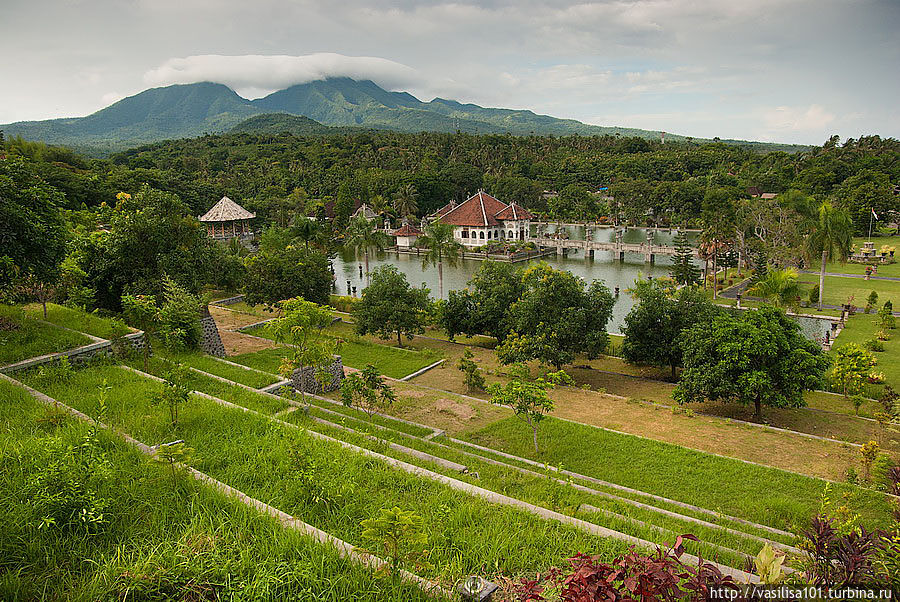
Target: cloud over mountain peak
column 256, row 74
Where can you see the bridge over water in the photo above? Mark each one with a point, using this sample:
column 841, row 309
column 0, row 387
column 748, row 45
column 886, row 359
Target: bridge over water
column 563, row 244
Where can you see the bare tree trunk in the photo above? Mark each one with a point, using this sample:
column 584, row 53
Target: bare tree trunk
column 715, row 274
column 758, row 414
column 440, row 279
column 822, row 278
column 399, row 339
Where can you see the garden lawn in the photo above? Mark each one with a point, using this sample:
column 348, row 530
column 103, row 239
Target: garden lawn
column 861, row 328
column 31, row 338
column 76, row 319
column 332, row 488
column 161, row 538
column 209, row 364
column 355, row 353
column 838, row 290
column 762, row 494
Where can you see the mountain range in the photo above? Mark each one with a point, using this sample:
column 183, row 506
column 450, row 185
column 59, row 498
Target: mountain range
column 328, row 106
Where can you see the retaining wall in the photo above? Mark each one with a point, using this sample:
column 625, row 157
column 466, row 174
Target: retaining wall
column 334, row 376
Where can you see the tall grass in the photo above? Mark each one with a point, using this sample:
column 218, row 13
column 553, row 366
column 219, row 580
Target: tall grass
column 82, row 321
column 161, row 540
column 31, row 338
column 330, row 487
column 762, row 494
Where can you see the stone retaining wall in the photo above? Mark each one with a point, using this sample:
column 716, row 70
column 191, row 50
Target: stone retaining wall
column 228, row 301
column 335, row 374
column 210, row 341
column 79, row 355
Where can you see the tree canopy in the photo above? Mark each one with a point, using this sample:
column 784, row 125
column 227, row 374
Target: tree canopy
column 390, row 306
column 759, row 357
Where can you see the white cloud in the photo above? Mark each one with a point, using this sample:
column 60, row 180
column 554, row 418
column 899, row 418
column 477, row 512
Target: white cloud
column 256, row 75
column 797, row 119
column 111, row 97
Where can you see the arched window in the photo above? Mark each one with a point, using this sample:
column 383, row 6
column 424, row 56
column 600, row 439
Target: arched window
column 481, row 234
column 489, row 234
column 511, row 235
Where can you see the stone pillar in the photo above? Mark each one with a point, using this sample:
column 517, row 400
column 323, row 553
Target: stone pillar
column 335, row 374
column 210, row 341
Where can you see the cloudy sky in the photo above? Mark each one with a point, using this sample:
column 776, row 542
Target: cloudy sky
column 783, row 70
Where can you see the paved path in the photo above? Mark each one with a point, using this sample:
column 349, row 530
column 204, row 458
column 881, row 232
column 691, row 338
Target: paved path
column 863, row 276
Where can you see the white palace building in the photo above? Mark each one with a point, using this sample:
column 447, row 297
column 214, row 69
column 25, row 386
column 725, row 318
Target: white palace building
column 481, row 219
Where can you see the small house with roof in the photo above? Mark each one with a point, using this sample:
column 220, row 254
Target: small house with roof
column 365, row 211
column 227, row 220
column 481, row 219
column 406, row 236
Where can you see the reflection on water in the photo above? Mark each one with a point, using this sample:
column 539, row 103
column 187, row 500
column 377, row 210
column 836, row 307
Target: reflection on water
column 603, row 267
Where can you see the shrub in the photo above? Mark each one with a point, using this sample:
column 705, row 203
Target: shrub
column 875, row 345
column 343, row 303
column 814, row 294
column 180, row 317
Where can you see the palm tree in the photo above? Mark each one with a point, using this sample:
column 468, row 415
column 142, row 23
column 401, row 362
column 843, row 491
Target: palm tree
column 441, row 245
column 306, row 229
column 832, row 235
column 781, row 288
column 405, row 201
column 362, row 236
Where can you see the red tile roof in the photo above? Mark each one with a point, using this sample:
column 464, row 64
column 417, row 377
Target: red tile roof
column 476, row 211
column 440, row 212
column 513, row 212
column 407, row 230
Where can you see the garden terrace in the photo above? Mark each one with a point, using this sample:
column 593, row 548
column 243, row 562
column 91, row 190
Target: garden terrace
column 312, row 479
column 791, row 512
column 23, row 337
column 79, row 320
column 162, row 538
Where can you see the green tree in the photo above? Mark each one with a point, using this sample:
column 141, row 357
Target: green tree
column 363, row 236
column 556, row 317
column 151, row 235
column 32, row 229
column 368, row 391
column 831, row 236
column 274, row 275
column 683, row 270
column 175, row 392
column 472, row 375
column 179, row 317
column 654, row 325
column 401, row 536
column 441, row 245
column 528, row 399
column 142, row 312
column 759, row 357
column 405, row 201
column 850, row 366
column 390, row 306
column 780, row 288
column 306, row 229
column 302, row 327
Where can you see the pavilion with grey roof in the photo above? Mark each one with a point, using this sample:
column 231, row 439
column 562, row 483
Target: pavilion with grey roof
column 227, row 220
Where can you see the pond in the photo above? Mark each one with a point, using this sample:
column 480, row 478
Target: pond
column 603, row 267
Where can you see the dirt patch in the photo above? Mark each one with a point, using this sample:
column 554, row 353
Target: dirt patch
column 231, row 320
column 415, row 394
column 236, row 343
column 459, row 410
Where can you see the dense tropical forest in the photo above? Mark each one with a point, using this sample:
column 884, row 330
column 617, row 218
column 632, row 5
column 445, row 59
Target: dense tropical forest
column 651, row 181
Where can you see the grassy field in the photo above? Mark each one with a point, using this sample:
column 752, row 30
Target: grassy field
column 861, row 328
column 75, row 319
column 30, row 338
column 839, row 290
column 332, row 488
column 759, row 493
column 211, row 365
column 354, row 352
column 160, row 539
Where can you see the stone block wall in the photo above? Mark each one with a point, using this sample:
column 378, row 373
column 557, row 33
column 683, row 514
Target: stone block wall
column 210, row 341
column 80, row 355
column 335, row 374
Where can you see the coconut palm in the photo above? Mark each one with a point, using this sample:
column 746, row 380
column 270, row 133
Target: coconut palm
column 306, row 229
column 441, row 245
column 831, row 236
column 781, row 288
column 363, row 236
column 405, row 201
